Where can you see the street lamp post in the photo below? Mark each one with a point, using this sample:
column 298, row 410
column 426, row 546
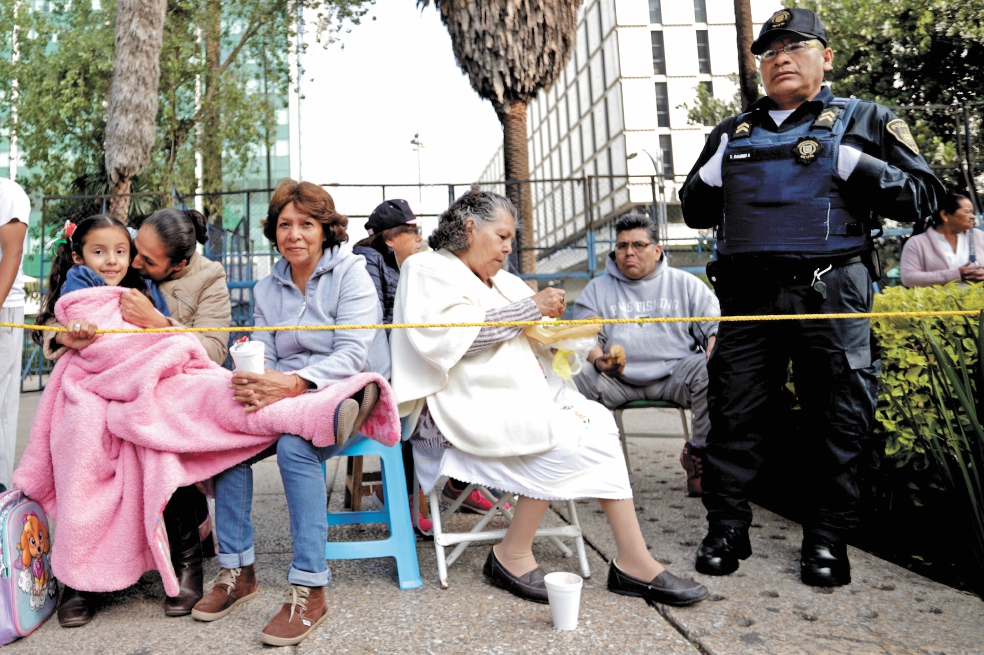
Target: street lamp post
column 417, row 146
column 659, row 200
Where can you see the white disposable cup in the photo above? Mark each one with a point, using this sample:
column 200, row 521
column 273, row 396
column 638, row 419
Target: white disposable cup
column 564, row 594
column 248, row 356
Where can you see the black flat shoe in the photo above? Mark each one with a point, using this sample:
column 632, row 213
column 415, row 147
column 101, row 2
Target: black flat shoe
column 824, row 563
column 665, row 588
column 721, row 549
column 76, row 607
column 529, row 586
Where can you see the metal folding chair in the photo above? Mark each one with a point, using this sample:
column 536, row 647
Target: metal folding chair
column 644, row 404
column 461, row 540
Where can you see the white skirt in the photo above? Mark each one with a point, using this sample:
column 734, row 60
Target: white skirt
column 585, row 462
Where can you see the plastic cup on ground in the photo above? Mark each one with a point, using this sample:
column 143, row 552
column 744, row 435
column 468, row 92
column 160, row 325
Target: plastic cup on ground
column 248, row 356
column 564, row 595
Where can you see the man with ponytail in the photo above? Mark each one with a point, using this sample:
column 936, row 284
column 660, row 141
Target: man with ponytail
column 15, row 209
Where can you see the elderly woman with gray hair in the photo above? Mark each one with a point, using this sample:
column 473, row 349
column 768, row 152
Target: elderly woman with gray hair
column 490, row 410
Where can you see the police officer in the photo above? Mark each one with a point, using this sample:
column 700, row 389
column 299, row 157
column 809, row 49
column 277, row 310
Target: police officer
column 791, row 186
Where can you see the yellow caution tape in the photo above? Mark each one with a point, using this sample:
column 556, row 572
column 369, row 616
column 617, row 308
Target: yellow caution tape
column 560, row 323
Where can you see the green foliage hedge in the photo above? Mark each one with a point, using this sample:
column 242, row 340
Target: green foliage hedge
column 906, row 367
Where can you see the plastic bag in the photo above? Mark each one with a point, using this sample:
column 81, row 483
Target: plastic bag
column 570, row 355
column 569, row 345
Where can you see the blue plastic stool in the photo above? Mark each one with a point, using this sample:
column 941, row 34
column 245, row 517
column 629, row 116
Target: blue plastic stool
column 401, row 543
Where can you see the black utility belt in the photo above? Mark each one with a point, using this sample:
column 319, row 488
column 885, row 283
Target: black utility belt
column 780, row 269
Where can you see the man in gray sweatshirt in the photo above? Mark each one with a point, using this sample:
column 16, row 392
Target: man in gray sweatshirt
column 662, row 361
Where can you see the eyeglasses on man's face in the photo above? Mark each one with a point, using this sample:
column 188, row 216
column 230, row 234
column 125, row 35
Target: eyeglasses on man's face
column 636, row 245
column 796, row 47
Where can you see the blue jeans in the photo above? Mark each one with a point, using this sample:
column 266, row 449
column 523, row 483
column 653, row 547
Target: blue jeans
column 307, row 501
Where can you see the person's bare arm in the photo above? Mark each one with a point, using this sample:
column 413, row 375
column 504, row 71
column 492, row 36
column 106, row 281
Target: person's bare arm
column 12, row 244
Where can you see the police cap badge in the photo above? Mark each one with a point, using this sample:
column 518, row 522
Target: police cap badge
column 780, row 19
column 807, row 149
column 791, row 22
column 897, row 128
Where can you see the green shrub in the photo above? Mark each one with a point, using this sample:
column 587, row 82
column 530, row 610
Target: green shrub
column 905, row 366
column 929, row 412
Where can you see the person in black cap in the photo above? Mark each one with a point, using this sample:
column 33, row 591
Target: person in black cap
column 792, row 186
column 393, row 236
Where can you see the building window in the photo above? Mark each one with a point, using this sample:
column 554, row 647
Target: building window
column 662, row 105
column 601, row 26
column 659, row 53
column 700, row 11
column 703, row 53
column 708, row 88
column 666, row 154
column 655, row 12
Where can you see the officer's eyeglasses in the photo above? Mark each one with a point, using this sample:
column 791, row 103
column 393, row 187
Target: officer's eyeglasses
column 790, row 49
column 636, row 245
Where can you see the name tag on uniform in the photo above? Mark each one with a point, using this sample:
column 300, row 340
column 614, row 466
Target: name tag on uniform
column 741, row 156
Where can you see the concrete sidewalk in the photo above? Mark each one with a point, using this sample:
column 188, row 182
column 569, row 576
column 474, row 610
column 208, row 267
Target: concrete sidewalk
column 761, row 609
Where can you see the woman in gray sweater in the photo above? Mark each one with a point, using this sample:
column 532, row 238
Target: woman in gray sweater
column 315, row 283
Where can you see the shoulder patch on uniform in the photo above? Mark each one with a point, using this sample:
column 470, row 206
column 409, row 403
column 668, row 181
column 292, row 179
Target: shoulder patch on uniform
column 744, row 129
column 897, row 128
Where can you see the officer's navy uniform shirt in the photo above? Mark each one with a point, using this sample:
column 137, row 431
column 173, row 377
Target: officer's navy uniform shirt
column 890, row 179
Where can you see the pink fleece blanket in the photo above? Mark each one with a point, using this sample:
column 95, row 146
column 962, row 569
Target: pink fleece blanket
column 129, row 419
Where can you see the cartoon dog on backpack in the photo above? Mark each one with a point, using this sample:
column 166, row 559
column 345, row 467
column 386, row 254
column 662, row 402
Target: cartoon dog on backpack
column 35, row 544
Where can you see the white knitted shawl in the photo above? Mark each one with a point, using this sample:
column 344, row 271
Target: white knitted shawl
column 493, row 404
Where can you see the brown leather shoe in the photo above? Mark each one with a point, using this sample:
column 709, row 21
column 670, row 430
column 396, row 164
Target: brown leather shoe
column 691, row 461
column 367, row 399
column 345, row 416
column 304, row 611
column 232, row 586
column 76, row 607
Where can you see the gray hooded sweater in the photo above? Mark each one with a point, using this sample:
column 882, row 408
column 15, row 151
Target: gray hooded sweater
column 651, row 349
column 339, row 292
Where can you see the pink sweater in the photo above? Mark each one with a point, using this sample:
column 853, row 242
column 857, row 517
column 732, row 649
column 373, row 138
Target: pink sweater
column 924, row 260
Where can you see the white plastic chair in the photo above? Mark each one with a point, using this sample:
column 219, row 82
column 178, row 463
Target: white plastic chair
column 461, row 540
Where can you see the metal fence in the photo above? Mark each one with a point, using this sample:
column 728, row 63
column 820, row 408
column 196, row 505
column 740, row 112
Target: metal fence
column 573, row 222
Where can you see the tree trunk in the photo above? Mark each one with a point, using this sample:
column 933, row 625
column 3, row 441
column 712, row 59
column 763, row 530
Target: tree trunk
column 748, row 79
column 119, row 204
column 211, row 140
column 131, row 108
column 517, row 163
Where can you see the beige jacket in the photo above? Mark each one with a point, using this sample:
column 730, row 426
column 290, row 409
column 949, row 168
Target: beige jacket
column 199, row 298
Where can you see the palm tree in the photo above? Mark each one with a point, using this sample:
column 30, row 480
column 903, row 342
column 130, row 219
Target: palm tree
column 511, row 50
column 131, row 111
column 747, row 72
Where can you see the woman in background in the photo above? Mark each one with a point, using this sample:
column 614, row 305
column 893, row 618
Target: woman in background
column 950, row 249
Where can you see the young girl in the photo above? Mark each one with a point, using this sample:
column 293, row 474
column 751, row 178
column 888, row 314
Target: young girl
column 97, row 252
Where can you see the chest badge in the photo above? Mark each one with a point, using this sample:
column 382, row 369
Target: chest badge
column 807, row 150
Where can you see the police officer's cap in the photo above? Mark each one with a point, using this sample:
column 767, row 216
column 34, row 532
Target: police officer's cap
column 790, row 22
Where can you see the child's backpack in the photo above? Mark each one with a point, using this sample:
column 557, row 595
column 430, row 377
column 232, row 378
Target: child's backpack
column 28, row 590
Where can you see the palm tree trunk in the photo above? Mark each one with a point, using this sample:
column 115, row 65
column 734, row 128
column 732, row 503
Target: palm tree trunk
column 119, row 204
column 211, row 140
column 748, row 80
column 517, row 163
column 131, row 109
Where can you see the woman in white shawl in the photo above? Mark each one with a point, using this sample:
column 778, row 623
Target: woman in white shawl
column 489, row 412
